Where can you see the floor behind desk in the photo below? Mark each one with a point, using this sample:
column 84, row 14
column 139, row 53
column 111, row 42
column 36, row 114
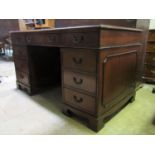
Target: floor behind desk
column 40, row 114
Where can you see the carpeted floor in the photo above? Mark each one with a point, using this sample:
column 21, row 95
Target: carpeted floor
column 41, row 114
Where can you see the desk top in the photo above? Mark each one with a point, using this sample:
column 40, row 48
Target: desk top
column 96, row 36
column 88, row 27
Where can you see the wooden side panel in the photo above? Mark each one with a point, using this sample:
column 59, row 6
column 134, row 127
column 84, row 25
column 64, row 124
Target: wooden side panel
column 117, row 76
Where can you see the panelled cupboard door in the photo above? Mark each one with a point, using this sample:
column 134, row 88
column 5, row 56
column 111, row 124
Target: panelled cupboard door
column 118, row 79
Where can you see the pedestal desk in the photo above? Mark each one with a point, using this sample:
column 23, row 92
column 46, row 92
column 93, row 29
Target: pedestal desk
column 95, row 65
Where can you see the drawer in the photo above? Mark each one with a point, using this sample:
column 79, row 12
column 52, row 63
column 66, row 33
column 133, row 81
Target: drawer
column 81, row 59
column 20, row 52
column 52, row 39
column 149, row 71
column 80, row 81
column 81, row 39
column 43, row 39
column 151, row 35
column 150, row 47
column 150, row 58
column 34, row 38
column 18, row 39
column 21, row 65
column 79, row 101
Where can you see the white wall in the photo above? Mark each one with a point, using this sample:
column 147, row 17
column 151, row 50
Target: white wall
column 152, row 24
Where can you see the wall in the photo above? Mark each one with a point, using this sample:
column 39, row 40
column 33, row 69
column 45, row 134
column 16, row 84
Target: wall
column 152, row 24
column 7, row 25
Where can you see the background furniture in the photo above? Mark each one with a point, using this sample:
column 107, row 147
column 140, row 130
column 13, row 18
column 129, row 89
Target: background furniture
column 6, row 25
column 44, row 23
column 149, row 67
column 98, row 67
column 32, row 24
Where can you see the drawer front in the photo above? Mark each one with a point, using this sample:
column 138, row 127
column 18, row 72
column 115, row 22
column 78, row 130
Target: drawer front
column 81, row 39
column 149, row 71
column 20, row 52
column 18, row 39
column 79, row 101
column 43, row 39
column 81, row 59
column 21, row 65
column 52, row 39
column 34, row 38
column 150, row 47
column 151, row 35
column 150, row 58
column 22, row 77
column 80, row 81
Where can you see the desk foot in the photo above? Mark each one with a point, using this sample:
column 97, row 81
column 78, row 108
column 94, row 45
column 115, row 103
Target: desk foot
column 95, row 124
column 92, row 122
column 24, row 88
column 132, row 99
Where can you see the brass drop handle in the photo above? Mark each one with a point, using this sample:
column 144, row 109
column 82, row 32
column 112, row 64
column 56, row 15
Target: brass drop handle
column 153, row 58
column 52, row 38
column 78, row 100
column 77, row 61
column 153, row 71
column 78, row 39
column 80, row 81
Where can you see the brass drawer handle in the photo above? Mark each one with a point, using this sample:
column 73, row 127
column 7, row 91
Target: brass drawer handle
column 78, row 39
column 52, row 38
column 77, row 61
column 153, row 71
column 153, row 58
column 80, row 81
column 78, row 100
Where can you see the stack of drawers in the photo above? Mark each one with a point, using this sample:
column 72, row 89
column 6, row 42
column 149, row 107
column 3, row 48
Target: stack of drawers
column 79, row 78
column 22, row 66
column 149, row 66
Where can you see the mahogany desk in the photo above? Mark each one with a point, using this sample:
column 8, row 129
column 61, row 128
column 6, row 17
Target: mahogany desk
column 95, row 65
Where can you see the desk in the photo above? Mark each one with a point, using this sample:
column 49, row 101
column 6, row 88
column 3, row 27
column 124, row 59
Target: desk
column 95, row 65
